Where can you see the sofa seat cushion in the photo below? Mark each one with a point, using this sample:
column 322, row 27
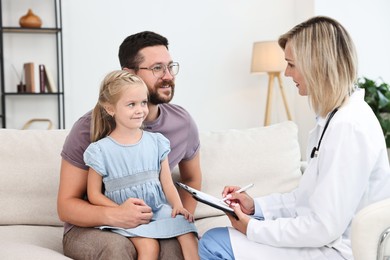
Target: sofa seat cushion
column 204, row 224
column 269, row 157
column 31, row 242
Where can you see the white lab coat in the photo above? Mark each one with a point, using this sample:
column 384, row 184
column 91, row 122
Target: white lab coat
column 313, row 221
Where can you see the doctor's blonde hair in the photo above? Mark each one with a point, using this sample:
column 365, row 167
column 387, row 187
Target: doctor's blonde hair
column 110, row 92
column 325, row 55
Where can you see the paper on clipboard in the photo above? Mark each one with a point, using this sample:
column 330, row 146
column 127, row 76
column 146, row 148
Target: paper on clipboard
column 207, row 199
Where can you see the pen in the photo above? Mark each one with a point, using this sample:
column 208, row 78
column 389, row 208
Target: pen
column 241, row 190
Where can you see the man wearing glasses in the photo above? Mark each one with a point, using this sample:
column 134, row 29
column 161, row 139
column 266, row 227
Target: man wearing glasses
column 145, row 54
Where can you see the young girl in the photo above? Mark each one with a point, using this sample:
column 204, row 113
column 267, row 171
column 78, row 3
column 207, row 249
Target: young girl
column 133, row 163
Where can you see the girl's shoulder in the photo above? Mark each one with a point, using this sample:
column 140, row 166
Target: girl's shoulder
column 157, row 138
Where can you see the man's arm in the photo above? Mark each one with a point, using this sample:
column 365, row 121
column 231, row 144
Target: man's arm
column 72, row 208
column 191, row 175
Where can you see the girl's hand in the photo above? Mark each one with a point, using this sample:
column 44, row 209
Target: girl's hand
column 182, row 211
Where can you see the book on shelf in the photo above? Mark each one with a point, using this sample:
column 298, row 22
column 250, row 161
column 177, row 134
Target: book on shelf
column 42, row 80
column 29, row 76
column 50, row 84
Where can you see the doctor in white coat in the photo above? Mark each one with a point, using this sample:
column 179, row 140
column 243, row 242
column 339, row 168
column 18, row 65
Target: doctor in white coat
column 348, row 167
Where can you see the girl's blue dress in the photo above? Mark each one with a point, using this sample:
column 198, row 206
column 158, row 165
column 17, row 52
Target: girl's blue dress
column 132, row 171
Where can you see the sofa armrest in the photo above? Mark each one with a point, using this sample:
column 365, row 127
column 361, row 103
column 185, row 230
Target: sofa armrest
column 370, row 230
column 383, row 245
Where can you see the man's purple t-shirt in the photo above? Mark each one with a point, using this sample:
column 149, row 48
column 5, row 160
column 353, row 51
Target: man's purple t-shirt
column 174, row 122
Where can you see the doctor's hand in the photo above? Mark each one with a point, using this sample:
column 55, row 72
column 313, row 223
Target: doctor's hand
column 242, row 223
column 243, row 199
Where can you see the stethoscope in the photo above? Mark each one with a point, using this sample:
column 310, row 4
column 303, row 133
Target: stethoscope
column 314, row 152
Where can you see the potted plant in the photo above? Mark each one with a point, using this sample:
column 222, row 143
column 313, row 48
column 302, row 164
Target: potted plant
column 377, row 96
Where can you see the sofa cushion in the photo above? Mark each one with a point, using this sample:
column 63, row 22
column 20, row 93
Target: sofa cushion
column 204, row 224
column 31, row 242
column 268, row 156
column 29, row 172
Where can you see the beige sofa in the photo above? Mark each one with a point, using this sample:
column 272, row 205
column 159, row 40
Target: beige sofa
column 269, row 157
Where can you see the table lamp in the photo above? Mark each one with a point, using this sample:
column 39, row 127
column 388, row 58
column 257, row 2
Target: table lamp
column 268, row 57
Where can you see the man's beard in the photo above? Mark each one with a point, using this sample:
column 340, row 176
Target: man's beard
column 155, row 98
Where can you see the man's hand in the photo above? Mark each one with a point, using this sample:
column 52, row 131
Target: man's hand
column 132, row 213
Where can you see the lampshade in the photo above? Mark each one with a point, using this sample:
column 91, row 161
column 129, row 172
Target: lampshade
column 267, row 56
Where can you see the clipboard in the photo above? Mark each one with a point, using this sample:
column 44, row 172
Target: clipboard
column 207, row 199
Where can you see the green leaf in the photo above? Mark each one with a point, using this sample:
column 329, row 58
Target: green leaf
column 383, row 100
column 377, row 96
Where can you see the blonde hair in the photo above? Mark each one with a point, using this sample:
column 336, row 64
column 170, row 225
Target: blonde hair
column 326, row 57
column 110, row 92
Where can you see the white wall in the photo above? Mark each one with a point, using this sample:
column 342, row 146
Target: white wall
column 304, row 117
column 212, row 40
column 368, row 23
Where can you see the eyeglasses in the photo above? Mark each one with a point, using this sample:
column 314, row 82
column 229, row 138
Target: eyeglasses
column 159, row 70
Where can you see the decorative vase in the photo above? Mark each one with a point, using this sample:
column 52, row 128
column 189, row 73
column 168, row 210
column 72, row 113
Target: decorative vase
column 30, row 20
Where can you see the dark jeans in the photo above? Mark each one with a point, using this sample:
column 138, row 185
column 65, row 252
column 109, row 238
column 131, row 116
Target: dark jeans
column 91, row 243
